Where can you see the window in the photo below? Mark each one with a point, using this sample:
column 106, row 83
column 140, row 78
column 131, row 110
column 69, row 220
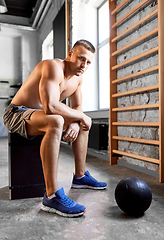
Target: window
column 47, row 47
column 103, row 54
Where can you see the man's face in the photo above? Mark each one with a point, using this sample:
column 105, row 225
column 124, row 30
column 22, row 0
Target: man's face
column 80, row 59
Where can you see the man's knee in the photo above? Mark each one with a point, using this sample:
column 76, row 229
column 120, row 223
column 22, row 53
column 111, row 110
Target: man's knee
column 56, row 122
column 59, row 121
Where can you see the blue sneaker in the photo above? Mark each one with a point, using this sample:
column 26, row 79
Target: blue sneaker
column 62, row 205
column 87, row 181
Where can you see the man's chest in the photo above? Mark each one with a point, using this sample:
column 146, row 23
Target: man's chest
column 67, row 89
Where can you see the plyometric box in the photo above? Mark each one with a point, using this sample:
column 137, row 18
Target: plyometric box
column 25, row 167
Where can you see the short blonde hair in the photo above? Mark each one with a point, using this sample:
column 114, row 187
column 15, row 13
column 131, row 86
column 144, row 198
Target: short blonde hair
column 86, row 44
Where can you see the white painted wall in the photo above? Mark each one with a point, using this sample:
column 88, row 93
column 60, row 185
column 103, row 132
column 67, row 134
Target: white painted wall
column 18, row 53
column 84, row 22
column 10, row 58
column 18, row 57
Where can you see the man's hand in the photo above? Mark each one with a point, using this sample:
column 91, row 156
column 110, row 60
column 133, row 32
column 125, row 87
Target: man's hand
column 86, row 122
column 72, row 132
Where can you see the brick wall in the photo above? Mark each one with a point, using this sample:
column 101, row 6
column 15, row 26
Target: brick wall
column 149, row 97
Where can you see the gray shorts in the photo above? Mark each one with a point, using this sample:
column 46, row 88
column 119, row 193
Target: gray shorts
column 14, row 119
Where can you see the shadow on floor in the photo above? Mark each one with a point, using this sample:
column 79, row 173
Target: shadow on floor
column 113, row 212
column 121, row 172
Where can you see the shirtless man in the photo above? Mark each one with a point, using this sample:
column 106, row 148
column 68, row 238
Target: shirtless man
column 37, row 109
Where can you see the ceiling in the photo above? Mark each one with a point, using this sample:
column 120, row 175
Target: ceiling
column 21, row 8
column 24, row 12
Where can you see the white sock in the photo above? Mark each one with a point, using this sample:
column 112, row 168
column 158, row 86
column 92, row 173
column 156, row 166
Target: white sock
column 81, row 177
column 53, row 195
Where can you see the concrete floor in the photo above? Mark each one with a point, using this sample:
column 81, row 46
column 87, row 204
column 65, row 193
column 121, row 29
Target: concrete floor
column 23, row 219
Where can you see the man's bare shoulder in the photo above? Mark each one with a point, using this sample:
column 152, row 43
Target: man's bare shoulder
column 52, row 68
column 51, row 64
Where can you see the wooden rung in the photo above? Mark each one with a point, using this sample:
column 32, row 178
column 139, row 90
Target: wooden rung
column 136, row 91
column 119, row 6
column 142, row 124
column 156, row 105
column 139, row 57
column 132, row 28
column 130, row 13
column 137, row 41
column 136, row 156
column 146, row 71
column 145, row 141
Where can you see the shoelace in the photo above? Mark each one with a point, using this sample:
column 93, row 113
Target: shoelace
column 67, row 201
column 92, row 178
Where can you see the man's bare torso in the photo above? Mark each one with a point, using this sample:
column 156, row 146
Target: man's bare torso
column 29, row 96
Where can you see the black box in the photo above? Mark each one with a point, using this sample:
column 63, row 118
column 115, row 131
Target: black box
column 98, row 137
column 26, row 178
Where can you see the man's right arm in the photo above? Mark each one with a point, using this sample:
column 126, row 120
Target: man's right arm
column 49, row 89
